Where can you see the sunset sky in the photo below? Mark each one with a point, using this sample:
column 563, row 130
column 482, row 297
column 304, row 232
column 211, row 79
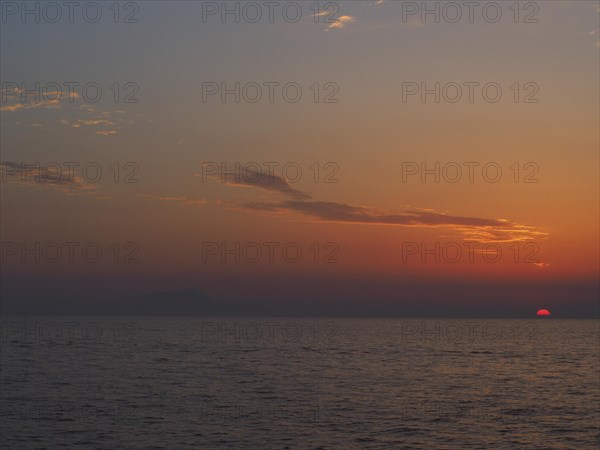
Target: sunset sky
column 368, row 218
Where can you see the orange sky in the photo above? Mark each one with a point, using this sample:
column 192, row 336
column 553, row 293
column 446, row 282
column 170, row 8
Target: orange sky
column 370, row 214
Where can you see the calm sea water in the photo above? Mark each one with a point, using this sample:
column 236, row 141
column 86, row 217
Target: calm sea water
column 278, row 383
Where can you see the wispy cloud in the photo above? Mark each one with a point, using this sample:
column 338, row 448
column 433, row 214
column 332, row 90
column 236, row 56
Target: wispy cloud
column 34, row 176
column 475, row 228
column 301, row 203
column 95, row 122
column 22, row 106
column 75, row 114
column 99, row 119
column 52, row 99
column 341, row 22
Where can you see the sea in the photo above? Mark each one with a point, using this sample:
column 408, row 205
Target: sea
column 298, row 383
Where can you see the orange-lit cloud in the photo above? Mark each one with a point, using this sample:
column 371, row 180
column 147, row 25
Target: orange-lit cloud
column 107, row 121
column 299, row 202
column 53, row 100
column 341, row 22
column 480, row 229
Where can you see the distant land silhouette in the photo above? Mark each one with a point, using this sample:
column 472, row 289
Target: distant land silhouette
column 187, row 302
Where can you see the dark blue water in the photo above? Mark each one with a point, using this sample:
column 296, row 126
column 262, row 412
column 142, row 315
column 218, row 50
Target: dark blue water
column 299, row 383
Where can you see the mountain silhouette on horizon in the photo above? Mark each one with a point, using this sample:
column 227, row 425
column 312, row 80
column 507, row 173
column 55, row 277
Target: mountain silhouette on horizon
column 186, row 302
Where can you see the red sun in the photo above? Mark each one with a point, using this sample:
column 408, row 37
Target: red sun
column 543, row 313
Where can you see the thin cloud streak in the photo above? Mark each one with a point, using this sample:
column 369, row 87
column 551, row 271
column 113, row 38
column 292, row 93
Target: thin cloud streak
column 299, row 202
column 475, row 228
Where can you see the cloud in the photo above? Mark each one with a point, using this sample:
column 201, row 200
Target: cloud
column 50, row 176
column 342, row 212
column 82, row 115
column 269, row 182
column 35, row 173
column 52, row 99
column 104, row 120
column 341, row 22
column 42, row 104
column 299, row 202
column 92, row 122
column 507, row 232
column 474, row 228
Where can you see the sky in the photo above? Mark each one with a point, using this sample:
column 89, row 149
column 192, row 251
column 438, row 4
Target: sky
column 369, row 157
